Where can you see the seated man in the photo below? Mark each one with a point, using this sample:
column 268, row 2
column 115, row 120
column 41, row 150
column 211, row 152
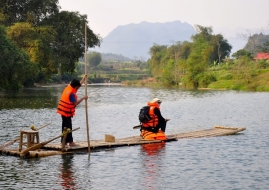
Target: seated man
column 154, row 128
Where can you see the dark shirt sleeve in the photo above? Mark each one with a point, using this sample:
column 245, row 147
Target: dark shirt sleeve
column 159, row 115
column 72, row 98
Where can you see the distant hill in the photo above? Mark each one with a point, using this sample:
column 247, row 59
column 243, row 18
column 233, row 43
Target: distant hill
column 135, row 40
column 236, row 39
column 109, row 57
column 256, row 43
column 114, row 57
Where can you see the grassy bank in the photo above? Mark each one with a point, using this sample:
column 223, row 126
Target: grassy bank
column 245, row 75
column 248, row 76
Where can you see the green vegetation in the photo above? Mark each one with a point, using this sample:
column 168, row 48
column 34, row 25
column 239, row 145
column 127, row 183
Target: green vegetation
column 15, row 64
column 40, row 39
column 107, row 70
column 241, row 74
column 41, row 44
column 205, row 63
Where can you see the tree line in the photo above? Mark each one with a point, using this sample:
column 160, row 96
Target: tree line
column 186, row 62
column 38, row 40
column 205, row 62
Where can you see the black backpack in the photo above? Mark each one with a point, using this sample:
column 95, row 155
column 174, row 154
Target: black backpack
column 144, row 114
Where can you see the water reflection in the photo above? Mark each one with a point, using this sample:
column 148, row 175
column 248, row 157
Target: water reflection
column 67, row 173
column 152, row 155
column 234, row 162
column 31, row 98
column 48, row 97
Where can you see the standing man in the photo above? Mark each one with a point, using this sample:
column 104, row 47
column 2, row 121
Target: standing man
column 67, row 105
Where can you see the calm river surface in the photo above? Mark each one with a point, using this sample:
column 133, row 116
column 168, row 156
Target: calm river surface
column 227, row 162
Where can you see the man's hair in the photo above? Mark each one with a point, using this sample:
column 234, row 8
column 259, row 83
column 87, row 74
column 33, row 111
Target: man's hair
column 75, row 83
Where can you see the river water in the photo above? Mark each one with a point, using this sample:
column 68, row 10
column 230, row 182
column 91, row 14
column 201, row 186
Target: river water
column 228, row 162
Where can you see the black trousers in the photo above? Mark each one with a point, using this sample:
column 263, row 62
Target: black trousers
column 67, row 122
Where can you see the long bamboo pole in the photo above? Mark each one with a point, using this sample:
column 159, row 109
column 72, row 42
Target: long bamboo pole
column 86, row 102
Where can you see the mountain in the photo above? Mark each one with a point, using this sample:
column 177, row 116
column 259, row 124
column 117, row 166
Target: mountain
column 135, row 40
column 239, row 37
column 257, row 43
column 111, row 56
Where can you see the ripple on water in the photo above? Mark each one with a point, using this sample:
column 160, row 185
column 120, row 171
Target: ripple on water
column 228, row 162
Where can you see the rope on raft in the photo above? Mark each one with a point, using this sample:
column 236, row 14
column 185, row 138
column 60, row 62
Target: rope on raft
column 66, row 131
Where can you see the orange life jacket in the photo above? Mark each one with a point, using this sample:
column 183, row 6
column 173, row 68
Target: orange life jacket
column 65, row 107
column 153, row 122
column 148, row 135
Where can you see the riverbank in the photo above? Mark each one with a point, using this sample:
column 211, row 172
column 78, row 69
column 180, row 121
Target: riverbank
column 260, row 83
column 65, row 84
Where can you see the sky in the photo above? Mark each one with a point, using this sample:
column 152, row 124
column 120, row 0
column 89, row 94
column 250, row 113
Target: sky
column 106, row 15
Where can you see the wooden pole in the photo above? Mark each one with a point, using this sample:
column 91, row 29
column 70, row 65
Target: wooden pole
column 64, row 139
column 137, row 127
column 86, row 102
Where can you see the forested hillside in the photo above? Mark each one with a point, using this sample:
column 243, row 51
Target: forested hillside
column 39, row 40
column 40, row 44
column 206, row 63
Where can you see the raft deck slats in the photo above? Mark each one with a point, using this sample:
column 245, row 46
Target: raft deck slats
column 55, row 148
column 137, row 140
column 208, row 133
column 100, row 144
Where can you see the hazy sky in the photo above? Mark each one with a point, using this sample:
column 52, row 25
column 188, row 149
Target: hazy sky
column 105, row 15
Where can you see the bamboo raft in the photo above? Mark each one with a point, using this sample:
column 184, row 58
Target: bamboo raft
column 50, row 149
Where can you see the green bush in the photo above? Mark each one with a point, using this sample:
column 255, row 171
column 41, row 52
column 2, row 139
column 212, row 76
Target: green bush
column 221, row 84
column 227, row 76
column 262, row 64
column 205, row 79
column 262, row 88
column 239, row 86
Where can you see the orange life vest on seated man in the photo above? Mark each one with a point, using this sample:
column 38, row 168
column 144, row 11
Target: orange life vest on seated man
column 149, row 129
column 65, row 107
column 153, row 122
